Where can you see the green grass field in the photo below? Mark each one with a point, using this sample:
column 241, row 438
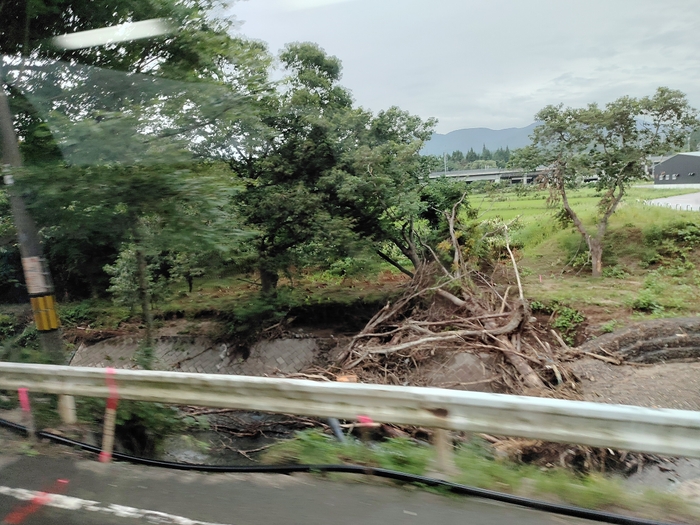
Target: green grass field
column 533, row 207
column 635, row 273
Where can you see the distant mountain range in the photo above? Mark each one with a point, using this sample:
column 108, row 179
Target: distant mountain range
column 476, row 138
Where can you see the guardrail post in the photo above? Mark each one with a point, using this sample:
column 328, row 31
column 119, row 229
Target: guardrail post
column 66, row 409
column 444, row 457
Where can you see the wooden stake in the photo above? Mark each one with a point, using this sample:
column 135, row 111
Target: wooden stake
column 108, row 434
column 66, row 409
column 110, row 417
column 27, row 413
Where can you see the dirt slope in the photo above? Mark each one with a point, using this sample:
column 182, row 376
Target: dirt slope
column 661, row 385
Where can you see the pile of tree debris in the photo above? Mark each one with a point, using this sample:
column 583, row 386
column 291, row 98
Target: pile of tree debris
column 454, row 306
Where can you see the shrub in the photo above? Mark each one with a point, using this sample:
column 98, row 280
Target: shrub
column 8, row 326
column 537, row 306
column 646, row 302
column 141, row 425
column 74, row 314
column 615, row 272
column 609, row 327
column 567, row 321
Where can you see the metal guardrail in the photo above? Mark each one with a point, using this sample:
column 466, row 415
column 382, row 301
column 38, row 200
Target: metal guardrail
column 659, row 431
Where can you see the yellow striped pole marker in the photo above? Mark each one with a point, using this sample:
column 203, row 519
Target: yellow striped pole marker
column 45, row 316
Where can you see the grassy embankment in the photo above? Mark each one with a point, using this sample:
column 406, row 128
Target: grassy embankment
column 650, row 260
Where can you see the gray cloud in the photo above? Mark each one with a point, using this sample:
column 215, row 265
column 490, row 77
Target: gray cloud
column 491, row 63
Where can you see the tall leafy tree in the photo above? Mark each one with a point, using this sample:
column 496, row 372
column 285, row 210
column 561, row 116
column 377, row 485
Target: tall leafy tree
column 380, row 184
column 281, row 155
column 612, row 142
column 96, row 107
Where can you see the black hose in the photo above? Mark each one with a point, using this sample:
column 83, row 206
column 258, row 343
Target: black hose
column 456, row 488
column 14, row 426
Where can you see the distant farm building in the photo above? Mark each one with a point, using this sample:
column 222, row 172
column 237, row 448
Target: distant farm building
column 683, row 168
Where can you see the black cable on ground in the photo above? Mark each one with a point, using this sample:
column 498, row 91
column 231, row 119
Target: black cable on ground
column 14, row 426
column 456, row 488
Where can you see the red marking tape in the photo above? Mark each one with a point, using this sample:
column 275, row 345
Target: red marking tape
column 23, row 399
column 365, row 420
column 113, row 390
column 21, row 513
column 112, row 401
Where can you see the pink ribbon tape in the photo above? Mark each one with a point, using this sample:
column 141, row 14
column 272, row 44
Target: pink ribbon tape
column 23, row 399
column 113, row 391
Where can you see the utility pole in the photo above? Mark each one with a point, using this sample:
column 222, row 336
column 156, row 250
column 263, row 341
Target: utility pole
column 36, row 272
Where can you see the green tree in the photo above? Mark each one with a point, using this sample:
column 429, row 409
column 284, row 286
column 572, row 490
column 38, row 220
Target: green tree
column 613, row 143
column 80, row 108
column 501, row 157
column 382, row 186
column 186, row 265
column 152, row 208
column 281, row 154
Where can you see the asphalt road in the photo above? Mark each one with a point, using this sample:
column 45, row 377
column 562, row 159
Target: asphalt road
column 119, row 494
column 688, row 202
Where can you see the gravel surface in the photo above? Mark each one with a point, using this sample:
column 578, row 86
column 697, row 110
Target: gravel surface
column 663, row 385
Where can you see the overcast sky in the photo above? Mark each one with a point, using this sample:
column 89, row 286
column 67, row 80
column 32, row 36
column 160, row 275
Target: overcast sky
column 491, row 63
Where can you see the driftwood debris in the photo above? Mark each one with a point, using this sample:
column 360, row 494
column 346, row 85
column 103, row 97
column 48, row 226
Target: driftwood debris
column 456, row 307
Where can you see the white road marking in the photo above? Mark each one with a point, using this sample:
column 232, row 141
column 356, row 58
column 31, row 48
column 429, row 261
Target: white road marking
column 70, row 503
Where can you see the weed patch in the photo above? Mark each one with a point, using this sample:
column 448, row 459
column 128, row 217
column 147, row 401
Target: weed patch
column 140, row 426
column 567, row 320
column 647, row 301
column 479, row 467
column 314, row 448
column 610, row 326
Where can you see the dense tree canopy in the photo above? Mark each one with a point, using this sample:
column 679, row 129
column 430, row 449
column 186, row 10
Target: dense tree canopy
column 471, row 160
column 106, row 132
column 157, row 151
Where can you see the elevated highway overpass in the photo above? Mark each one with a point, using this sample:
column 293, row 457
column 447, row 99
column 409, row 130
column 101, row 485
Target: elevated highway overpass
column 510, row 176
